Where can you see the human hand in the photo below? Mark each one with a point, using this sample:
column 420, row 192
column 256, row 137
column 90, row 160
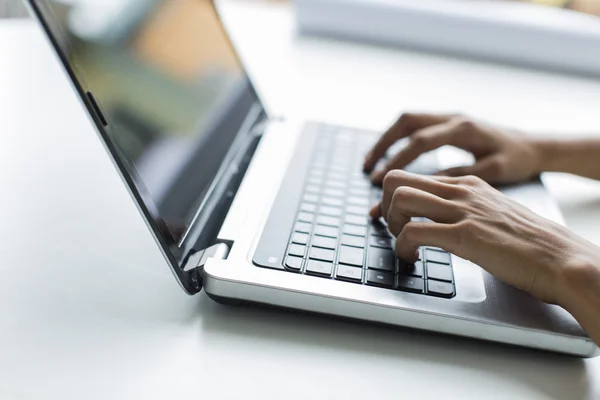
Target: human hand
column 476, row 222
column 502, row 156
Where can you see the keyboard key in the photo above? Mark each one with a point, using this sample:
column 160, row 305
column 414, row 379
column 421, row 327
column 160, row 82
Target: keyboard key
column 422, row 219
column 324, row 242
column 317, row 172
column 356, row 220
column 325, row 144
column 342, row 135
column 420, row 253
column 333, row 192
column 351, row 256
column 358, row 173
column 294, row 263
column 359, row 192
column 328, row 231
column 328, row 221
column 376, row 197
column 437, row 257
column 315, row 180
column 302, row 227
column 361, row 182
column 358, row 201
column 348, row 273
column 382, row 242
column 332, row 201
column 439, row 272
column 310, row 198
column 381, row 259
column 308, row 207
column 312, row 189
column 319, row 268
column 341, row 158
column 378, row 278
column 331, row 211
column 355, row 230
column 402, row 265
column 320, row 162
column 379, row 229
column 297, row 250
column 300, row 238
column 410, row 284
column 321, row 254
column 436, row 249
column 440, row 289
column 340, row 168
column 336, row 176
column 335, row 184
column 354, row 241
column 306, row 217
column 357, row 210
column 415, row 269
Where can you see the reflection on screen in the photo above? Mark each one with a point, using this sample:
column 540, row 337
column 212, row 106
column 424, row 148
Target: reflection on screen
column 170, row 86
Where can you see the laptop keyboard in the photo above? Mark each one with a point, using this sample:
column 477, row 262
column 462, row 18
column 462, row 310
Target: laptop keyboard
column 333, row 237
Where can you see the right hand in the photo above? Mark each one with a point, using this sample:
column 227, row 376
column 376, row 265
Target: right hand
column 477, row 222
column 501, row 155
column 471, row 219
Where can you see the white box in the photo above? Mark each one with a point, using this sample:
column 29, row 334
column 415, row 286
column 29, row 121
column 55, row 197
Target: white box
column 517, row 33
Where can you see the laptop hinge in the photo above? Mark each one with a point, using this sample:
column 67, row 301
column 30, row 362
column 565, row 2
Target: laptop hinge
column 197, row 260
column 194, row 267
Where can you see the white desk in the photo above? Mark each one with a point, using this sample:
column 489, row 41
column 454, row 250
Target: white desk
column 89, row 310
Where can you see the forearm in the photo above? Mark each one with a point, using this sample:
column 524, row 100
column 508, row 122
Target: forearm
column 576, row 156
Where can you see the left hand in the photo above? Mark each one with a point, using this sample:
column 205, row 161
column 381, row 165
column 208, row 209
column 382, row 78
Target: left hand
column 502, row 155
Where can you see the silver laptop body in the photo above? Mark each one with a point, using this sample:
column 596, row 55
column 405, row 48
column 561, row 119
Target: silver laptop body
column 219, row 183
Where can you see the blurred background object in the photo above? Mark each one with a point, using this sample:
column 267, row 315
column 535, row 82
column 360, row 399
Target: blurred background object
column 12, row 9
column 520, row 32
column 15, row 8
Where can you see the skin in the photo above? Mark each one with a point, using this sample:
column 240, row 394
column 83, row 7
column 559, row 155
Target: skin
column 477, row 222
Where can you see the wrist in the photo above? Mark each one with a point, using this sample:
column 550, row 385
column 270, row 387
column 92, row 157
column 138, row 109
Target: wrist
column 576, row 276
column 580, row 287
column 548, row 153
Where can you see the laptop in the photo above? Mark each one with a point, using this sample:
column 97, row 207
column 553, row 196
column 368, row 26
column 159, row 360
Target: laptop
column 254, row 209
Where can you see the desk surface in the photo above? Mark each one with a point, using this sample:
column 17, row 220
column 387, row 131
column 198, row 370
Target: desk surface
column 88, row 308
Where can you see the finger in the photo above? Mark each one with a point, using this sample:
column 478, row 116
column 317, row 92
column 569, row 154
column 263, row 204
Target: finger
column 449, row 180
column 375, row 211
column 417, row 234
column 420, row 142
column 489, row 169
column 403, row 127
column 397, row 178
column 409, row 202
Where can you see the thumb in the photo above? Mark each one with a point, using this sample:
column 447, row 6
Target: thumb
column 489, row 169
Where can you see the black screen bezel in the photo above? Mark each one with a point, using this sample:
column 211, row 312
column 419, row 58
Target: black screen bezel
column 169, row 246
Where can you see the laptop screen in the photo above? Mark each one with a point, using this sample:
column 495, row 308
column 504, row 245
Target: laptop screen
column 169, row 86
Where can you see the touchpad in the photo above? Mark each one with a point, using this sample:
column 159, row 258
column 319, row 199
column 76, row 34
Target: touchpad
column 427, row 164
